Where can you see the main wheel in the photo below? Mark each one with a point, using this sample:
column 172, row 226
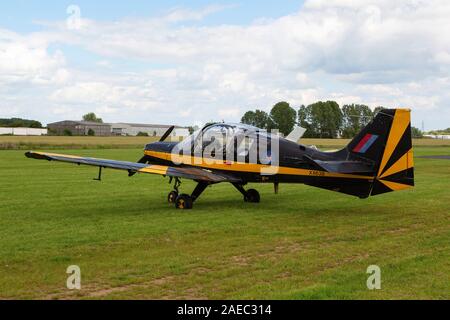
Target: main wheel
column 184, row 202
column 172, row 197
column 252, row 196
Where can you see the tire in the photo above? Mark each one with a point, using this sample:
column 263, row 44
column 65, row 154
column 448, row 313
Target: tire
column 172, row 197
column 252, row 196
column 184, row 202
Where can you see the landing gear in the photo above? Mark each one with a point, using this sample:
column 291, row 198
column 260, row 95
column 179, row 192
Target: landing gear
column 251, row 195
column 185, row 201
column 172, row 197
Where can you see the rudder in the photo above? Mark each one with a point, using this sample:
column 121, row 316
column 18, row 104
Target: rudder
column 396, row 169
column 386, row 143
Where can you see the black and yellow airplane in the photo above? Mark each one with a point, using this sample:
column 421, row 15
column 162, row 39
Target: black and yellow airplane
column 378, row 160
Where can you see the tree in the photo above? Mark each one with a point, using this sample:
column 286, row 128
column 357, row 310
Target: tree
column 257, row 118
column 355, row 118
column 191, row 129
column 91, row 133
column 20, row 123
column 67, row 132
column 91, row 117
column 416, row 133
column 283, row 118
column 142, row 134
column 377, row 109
column 248, row 118
column 304, row 119
column 440, row 132
column 321, row 119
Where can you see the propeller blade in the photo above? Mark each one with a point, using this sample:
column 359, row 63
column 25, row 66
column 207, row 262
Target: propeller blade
column 144, row 160
column 167, row 134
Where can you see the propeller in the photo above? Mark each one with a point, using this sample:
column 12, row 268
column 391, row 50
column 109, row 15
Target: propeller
column 145, row 159
column 167, row 134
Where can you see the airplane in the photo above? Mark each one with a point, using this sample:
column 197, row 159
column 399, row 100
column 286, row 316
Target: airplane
column 377, row 161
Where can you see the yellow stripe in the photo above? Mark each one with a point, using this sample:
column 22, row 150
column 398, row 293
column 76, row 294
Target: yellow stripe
column 395, row 186
column 58, row 155
column 248, row 167
column 155, row 169
column 162, row 170
column 399, row 125
column 404, row 163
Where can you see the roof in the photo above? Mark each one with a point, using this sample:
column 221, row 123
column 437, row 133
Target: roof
column 85, row 123
column 141, row 125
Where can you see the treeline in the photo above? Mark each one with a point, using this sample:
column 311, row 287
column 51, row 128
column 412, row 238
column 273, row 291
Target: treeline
column 20, row 123
column 321, row 119
column 440, row 132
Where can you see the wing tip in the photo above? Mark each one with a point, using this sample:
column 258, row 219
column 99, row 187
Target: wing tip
column 36, row 155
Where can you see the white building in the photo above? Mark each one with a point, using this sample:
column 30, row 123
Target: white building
column 23, row 131
column 153, row 130
column 441, row 137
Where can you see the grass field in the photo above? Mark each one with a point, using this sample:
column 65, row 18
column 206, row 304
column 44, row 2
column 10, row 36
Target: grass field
column 303, row 243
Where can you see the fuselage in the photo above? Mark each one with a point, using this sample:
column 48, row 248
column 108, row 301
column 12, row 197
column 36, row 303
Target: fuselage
column 296, row 163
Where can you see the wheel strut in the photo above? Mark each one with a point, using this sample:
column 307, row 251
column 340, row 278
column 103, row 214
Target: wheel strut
column 201, row 186
column 177, row 184
column 250, row 195
column 185, row 201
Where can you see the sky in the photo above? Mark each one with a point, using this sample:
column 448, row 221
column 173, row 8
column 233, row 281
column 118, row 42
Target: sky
column 191, row 62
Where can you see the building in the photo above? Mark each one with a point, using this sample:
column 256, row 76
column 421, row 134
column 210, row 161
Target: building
column 82, row 128
column 79, row 128
column 434, row 136
column 23, row 131
column 153, row 130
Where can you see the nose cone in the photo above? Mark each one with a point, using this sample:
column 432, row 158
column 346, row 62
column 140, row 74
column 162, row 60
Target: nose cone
column 166, row 147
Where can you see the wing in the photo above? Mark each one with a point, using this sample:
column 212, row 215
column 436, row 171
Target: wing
column 133, row 167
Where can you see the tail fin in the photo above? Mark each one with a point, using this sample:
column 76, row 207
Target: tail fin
column 387, row 143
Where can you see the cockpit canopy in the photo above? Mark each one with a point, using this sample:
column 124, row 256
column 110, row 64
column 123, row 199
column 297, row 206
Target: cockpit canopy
column 225, row 138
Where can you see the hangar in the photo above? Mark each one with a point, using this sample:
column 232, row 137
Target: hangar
column 79, row 128
column 153, row 130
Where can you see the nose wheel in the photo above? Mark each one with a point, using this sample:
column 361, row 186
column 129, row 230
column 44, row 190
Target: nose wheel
column 185, row 201
column 172, row 197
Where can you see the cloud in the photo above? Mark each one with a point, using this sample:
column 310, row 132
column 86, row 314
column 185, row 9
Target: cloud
column 392, row 53
column 182, row 14
column 229, row 112
column 26, row 59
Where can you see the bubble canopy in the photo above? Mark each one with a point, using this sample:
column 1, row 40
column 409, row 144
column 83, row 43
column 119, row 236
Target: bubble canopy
column 222, row 135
